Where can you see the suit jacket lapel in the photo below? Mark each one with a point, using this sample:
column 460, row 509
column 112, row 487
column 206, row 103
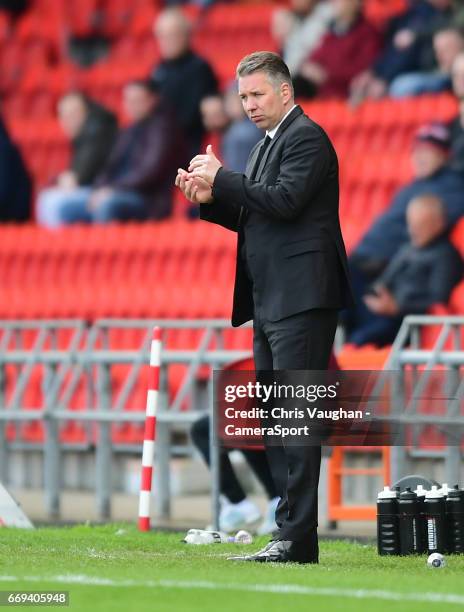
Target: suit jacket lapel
column 296, row 112
column 252, row 159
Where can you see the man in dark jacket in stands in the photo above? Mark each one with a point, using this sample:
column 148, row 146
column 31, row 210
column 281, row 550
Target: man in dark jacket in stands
column 430, row 157
column 183, row 77
column 15, row 182
column 92, row 130
column 421, row 274
column 136, row 182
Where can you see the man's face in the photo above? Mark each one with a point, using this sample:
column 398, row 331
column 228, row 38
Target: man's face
column 172, row 36
column 425, row 223
column 427, row 159
column 457, row 74
column 213, row 114
column 72, row 114
column 138, row 102
column 346, row 9
column 264, row 104
column 447, row 45
column 303, row 6
column 441, row 5
column 233, row 105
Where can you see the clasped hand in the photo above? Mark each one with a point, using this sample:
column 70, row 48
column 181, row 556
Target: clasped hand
column 196, row 184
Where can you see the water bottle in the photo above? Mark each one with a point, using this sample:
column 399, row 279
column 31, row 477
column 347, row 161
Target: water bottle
column 387, row 522
column 201, row 536
column 454, row 505
column 434, row 505
column 420, row 492
column 445, row 489
column 408, row 521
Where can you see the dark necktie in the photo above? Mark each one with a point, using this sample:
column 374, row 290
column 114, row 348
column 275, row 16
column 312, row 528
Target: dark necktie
column 262, row 150
column 244, row 212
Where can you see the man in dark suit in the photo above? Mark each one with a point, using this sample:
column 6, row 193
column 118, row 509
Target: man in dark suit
column 291, row 274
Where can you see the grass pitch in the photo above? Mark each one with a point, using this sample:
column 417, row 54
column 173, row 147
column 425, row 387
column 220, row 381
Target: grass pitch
column 116, row 568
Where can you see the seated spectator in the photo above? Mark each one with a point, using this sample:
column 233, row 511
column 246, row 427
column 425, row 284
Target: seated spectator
column 241, row 135
column 421, row 274
column 92, row 130
column 408, row 47
column 180, row 66
column 299, row 29
column 457, row 124
column 16, row 7
column 215, row 120
column 137, row 180
column 430, row 157
column 237, row 134
column 348, row 48
column 15, row 182
column 447, row 45
column 237, row 510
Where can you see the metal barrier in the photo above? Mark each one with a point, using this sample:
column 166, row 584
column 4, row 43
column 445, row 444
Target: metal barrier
column 87, row 356
column 446, row 351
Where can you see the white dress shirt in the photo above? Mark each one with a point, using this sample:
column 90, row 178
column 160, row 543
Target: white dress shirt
column 272, row 133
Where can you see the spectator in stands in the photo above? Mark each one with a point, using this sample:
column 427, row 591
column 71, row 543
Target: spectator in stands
column 430, row 157
column 457, row 125
column 179, row 68
column 92, row 130
column 348, row 48
column 237, row 511
column 224, row 116
column 16, row 7
column 447, row 44
column 408, row 47
column 137, row 180
column 213, row 114
column 241, row 134
column 299, row 29
column 15, row 182
column 421, row 274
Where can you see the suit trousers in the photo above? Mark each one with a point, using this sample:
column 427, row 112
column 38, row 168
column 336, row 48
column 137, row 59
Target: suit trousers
column 300, row 342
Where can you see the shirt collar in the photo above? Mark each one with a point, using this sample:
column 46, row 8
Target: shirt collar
column 272, row 133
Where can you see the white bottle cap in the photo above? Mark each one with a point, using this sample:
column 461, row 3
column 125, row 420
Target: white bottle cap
column 434, row 493
column 387, row 493
column 420, row 491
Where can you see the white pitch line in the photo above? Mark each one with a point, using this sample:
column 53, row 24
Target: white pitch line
column 283, row 589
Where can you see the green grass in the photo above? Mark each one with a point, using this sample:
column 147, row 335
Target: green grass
column 155, row 571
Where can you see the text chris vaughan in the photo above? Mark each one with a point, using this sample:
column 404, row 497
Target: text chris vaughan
column 295, row 413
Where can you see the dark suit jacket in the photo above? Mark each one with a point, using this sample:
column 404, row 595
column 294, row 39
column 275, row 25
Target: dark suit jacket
column 288, row 218
column 145, row 159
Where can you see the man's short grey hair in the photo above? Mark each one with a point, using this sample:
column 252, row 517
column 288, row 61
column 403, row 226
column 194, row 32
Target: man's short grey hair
column 269, row 63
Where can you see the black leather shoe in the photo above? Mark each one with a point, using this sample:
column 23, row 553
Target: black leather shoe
column 282, row 551
column 249, row 557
